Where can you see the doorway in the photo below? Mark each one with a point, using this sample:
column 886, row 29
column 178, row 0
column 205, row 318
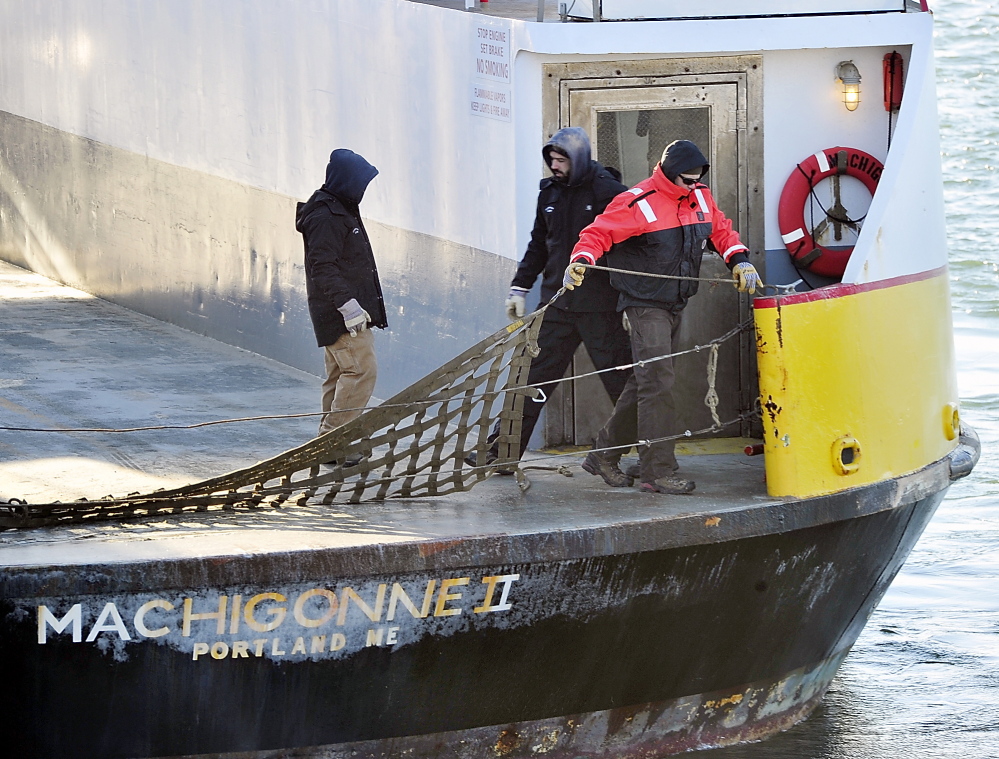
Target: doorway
column 631, row 110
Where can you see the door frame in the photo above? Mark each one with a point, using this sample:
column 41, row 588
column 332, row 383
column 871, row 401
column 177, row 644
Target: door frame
column 559, row 80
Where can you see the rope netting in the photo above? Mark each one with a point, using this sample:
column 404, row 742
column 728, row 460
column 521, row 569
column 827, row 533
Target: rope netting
column 412, row 445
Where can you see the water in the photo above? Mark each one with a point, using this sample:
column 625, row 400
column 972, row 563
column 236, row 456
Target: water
column 923, row 679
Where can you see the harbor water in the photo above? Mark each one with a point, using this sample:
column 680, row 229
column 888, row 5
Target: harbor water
column 923, row 679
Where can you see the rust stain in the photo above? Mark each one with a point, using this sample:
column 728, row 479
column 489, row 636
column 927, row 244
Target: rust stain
column 773, row 410
column 735, row 698
column 761, row 342
column 508, row 742
column 712, row 521
column 549, row 742
column 780, row 325
column 429, row 549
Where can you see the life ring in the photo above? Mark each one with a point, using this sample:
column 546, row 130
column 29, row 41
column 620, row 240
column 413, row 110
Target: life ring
column 791, row 211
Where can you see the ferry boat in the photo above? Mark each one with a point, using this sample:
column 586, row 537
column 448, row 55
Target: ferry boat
column 152, row 155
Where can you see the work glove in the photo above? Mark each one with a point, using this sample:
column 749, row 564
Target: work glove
column 515, row 303
column 355, row 318
column 573, row 276
column 626, row 322
column 746, row 277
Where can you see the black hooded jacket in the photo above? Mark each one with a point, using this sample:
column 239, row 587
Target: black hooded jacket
column 564, row 209
column 339, row 262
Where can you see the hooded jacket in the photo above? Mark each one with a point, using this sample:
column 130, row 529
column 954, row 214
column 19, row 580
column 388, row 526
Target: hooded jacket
column 660, row 228
column 564, row 209
column 339, row 262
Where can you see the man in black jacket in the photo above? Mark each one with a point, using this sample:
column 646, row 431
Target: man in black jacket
column 345, row 296
column 578, row 190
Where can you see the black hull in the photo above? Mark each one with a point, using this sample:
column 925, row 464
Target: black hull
column 614, row 653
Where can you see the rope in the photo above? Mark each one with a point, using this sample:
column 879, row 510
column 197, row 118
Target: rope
column 412, row 445
column 852, row 223
column 540, row 398
column 711, row 399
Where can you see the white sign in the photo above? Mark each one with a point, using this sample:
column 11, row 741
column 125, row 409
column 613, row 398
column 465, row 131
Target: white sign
column 491, row 52
column 491, row 101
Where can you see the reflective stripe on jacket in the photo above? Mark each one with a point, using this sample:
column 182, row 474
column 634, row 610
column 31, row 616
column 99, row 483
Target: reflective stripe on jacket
column 659, row 228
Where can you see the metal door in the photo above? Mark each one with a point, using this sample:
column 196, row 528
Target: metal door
column 630, row 121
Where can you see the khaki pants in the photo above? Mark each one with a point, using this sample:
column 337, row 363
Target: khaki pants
column 351, row 372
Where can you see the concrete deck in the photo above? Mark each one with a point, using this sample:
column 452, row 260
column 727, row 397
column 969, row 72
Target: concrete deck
column 72, row 361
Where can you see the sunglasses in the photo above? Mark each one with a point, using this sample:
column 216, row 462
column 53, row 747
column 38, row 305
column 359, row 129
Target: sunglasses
column 689, row 181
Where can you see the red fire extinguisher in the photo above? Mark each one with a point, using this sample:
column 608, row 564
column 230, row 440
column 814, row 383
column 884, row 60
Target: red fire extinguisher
column 893, row 81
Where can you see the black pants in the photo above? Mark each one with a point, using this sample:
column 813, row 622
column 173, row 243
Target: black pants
column 561, row 333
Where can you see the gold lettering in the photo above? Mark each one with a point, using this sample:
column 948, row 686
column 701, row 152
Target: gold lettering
column 234, row 616
column 140, row 618
column 318, row 643
column 220, row 650
column 199, row 649
column 276, row 613
column 239, row 648
column 375, row 637
column 337, row 641
column 428, row 597
column 491, row 583
column 392, row 636
column 299, row 647
column 259, row 646
column 299, row 610
column 398, row 594
column 274, row 648
column 443, row 596
column 349, row 595
column 117, row 624
column 72, row 619
column 217, row 615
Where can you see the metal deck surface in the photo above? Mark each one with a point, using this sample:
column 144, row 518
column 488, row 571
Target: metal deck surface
column 70, row 361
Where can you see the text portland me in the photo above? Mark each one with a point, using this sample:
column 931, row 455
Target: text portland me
column 292, row 620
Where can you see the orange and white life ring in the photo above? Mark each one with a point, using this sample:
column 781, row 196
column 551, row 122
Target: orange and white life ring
column 791, row 210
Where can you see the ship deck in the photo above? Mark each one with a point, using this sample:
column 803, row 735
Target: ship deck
column 75, row 361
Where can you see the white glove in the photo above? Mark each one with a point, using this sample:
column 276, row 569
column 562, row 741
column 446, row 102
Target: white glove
column 355, row 318
column 515, row 303
column 626, row 322
column 573, row 276
column 746, row 277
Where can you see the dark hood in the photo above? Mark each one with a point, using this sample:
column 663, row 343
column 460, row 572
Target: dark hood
column 348, row 175
column 576, row 145
column 682, row 157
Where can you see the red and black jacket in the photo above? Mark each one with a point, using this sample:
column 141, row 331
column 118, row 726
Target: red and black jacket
column 659, row 228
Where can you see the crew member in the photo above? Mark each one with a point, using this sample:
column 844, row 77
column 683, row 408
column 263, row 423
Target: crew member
column 341, row 279
column 578, row 189
column 660, row 226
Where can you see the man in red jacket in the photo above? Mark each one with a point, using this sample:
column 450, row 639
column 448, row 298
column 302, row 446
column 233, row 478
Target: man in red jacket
column 660, row 226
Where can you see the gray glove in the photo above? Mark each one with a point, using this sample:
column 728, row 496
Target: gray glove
column 626, row 322
column 355, row 318
column 747, row 279
column 516, row 303
column 573, row 275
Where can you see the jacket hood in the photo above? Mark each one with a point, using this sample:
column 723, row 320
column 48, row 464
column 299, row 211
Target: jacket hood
column 682, row 156
column 576, row 145
column 348, row 175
